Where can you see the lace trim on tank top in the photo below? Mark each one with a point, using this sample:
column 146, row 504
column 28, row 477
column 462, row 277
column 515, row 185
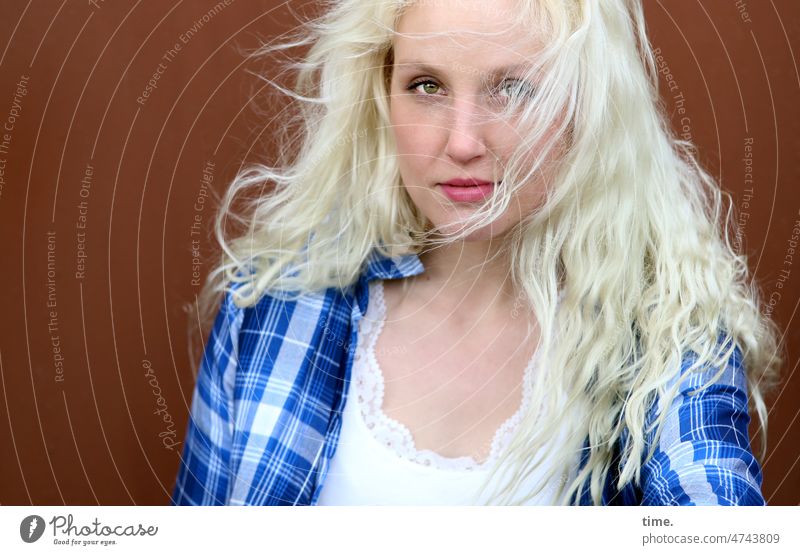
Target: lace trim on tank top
column 369, row 387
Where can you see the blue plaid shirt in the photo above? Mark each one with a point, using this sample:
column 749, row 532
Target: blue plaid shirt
column 267, row 411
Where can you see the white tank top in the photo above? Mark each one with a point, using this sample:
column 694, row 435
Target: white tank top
column 376, row 462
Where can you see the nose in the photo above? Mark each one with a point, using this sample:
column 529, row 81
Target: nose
column 466, row 136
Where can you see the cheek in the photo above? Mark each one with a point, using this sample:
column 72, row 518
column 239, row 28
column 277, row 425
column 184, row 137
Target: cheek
column 414, row 134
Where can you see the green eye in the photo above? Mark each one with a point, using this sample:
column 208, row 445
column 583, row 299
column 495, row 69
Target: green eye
column 429, row 87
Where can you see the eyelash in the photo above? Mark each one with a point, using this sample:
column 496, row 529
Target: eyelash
column 425, row 81
column 419, row 82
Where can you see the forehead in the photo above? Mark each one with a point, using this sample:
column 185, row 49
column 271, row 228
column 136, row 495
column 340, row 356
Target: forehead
column 483, row 33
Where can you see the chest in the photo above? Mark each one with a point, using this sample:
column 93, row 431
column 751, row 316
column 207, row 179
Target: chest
column 452, row 386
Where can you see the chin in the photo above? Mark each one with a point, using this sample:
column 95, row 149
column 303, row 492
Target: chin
column 486, row 233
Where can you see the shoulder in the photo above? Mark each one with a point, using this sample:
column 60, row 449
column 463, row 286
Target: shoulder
column 274, row 308
column 282, row 326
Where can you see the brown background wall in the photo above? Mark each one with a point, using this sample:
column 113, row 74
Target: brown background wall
column 81, row 425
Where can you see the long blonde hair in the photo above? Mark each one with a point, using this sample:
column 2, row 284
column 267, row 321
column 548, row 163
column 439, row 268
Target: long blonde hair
column 633, row 231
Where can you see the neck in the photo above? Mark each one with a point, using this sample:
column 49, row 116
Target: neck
column 471, row 277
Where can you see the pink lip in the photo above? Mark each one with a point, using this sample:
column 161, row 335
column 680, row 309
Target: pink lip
column 467, row 190
column 468, row 182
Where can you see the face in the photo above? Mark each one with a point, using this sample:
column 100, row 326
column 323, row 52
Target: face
column 446, row 94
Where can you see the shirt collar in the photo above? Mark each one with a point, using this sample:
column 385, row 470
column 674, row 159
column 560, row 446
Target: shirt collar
column 380, row 266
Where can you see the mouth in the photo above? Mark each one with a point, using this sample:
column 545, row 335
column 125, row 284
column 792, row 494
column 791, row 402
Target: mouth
column 467, row 190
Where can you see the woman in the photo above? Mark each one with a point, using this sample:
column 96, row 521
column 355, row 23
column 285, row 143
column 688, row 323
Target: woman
column 490, row 274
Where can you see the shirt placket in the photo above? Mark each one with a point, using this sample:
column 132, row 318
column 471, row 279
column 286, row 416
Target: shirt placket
column 359, row 302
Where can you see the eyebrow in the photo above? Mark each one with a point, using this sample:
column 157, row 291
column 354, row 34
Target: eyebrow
column 427, row 68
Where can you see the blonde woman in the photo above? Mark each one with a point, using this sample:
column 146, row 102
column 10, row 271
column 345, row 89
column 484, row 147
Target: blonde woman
column 487, row 274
